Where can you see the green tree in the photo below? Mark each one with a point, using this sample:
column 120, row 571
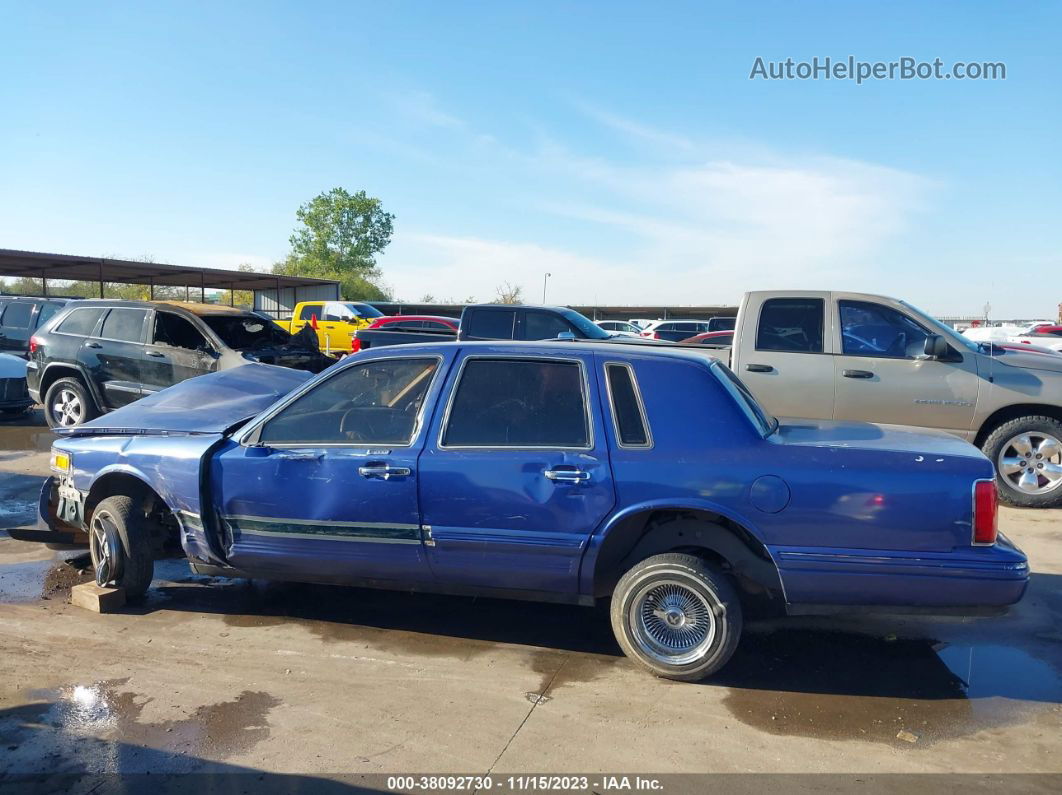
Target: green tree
column 338, row 237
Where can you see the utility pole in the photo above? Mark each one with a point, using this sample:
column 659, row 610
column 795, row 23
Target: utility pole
column 544, row 280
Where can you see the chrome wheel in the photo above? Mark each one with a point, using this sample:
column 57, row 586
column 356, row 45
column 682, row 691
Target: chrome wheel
column 105, row 549
column 671, row 622
column 1031, row 462
column 67, row 408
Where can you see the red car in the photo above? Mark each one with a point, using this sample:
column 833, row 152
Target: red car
column 712, row 339
column 410, row 323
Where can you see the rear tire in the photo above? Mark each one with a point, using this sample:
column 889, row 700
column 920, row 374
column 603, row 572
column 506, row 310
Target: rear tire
column 677, row 615
column 121, row 547
column 1027, row 455
column 68, row 404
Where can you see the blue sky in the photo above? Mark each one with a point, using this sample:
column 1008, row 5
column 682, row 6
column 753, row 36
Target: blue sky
column 621, row 147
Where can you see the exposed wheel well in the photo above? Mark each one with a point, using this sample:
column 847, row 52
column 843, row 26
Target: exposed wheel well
column 165, row 532
column 1009, row 413
column 57, row 371
column 704, row 534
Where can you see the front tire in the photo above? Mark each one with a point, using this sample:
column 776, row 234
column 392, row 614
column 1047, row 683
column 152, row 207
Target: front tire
column 121, row 547
column 1027, row 455
column 677, row 615
column 68, row 403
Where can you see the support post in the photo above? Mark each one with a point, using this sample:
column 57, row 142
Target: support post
column 101, row 278
column 44, row 284
column 151, row 287
column 202, row 288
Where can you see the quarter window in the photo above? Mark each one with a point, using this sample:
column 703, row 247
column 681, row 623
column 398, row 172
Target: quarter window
column 126, row 325
column 518, row 403
column 632, row 430
column 869, row 329
column 791, row 324
column 375, row 403
column 80, row 321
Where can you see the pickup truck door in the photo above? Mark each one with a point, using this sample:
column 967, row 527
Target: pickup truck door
column 515, row 476
column 883, row 376
column 324, row 486
column 783, row 354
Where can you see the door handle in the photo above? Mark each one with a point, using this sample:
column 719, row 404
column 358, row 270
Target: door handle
column 156, row 354
column 383, row 471
column 759, row 368
column 567, row 475
column 93, row 345
column 857, row 374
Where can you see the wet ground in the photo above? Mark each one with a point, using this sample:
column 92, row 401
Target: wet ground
column 211, row 674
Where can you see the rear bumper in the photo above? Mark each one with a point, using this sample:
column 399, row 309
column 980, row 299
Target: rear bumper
column 14, row 394
column 971, row 581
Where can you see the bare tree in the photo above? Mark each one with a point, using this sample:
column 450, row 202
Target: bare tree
column 509, row 294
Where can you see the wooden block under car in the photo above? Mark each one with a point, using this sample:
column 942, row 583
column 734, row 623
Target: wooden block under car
column 99, row 600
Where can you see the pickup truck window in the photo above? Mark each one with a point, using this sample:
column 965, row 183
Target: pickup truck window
column 791, row 324
column 175, row 331
column 543, row 326
column 492, row 325
column 310, row 311
column 125, row 325
column 338, row 312
column 80, row 322
column 628, row 412
column 528, row 403
column 870, row 329
column 375, row 403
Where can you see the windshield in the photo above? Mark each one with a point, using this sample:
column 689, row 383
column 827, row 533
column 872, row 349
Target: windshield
column 944, row 330
column 241, row 332
column 765, row 423
column 586, row 327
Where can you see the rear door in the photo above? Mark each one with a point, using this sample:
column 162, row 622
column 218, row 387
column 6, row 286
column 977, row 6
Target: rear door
column 176, row 350
column 784, row 355
column 515, row 475
column 113, row 358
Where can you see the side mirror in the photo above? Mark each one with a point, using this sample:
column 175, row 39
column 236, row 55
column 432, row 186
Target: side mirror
column 936, row 346
column 566, row 335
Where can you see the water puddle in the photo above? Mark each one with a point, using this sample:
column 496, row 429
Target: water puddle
column 842, row 686
column 28, row 436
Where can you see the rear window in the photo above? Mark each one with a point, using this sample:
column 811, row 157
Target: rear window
column 791, row 324
column 17, row 314
column 492, row 325
column 80, row 321
column 518, row 403
column 126, row 325
column 628, row 413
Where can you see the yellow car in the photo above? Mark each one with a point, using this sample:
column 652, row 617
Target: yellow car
column 336, row 322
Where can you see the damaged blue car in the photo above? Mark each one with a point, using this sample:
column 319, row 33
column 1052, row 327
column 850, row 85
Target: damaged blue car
column 562, row 470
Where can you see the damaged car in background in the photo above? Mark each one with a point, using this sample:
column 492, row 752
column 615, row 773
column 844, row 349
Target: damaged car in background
column 571, row 472
column 98, row 356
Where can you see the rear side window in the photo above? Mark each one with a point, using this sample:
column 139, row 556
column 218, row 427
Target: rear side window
column 310, row 311
column 628, row 413
column 518, row 403
column 791, row 324
column 17, row 314
column 544, row 326
column 80, row 321
column 492, row 325
column 126, row 325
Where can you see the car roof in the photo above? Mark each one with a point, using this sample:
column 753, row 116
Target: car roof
column 389, row 318
column 188, row 306
column 557, row 348
column 58, row 298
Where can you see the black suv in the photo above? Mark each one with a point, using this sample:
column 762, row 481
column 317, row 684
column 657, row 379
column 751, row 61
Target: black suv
column 20, row 316
column 99, row 355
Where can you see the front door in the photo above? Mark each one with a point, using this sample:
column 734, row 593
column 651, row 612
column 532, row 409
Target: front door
column 113, row 359
column 325, row 488
column 883, row 376
column 176, row 351
column 514, row 479
column 784, row 359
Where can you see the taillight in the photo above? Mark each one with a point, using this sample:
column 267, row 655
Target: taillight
column 34, row 343
column 986, row 512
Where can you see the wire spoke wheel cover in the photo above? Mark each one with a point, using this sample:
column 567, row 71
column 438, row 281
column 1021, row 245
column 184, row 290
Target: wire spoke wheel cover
column 106, row 548
column 671, row 622
column 1031, row 462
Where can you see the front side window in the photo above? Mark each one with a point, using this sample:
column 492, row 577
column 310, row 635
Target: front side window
column 492, row 325
column 80, row 321
column 374, row 403
column 125, row 325
column 632, row 428
column 175, row 331
column 544, row 326
column 338, row 312
column 518, row 403
column 869, row 329
column 791, row 324
column 17, row 314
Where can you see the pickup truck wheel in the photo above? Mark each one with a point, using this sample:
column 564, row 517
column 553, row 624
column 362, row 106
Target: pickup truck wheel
column 1027, row 453
column 68, row 404
column 677, row 615
column 120, row 547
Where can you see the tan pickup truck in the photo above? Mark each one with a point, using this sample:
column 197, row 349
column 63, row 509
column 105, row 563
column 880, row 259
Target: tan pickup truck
column 852, row 356
column 336, row 322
